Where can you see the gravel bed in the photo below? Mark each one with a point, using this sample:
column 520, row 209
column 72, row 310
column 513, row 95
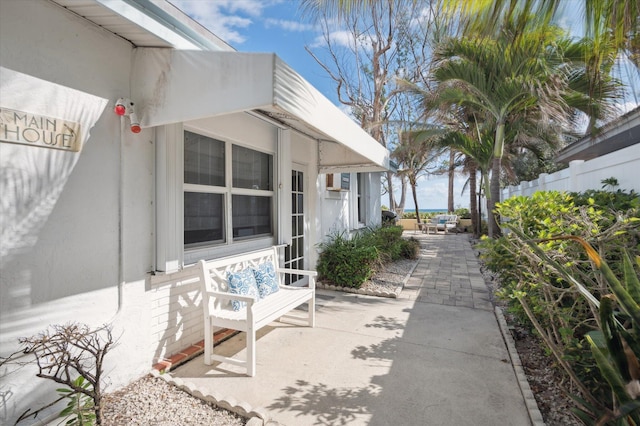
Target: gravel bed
column 153, row 401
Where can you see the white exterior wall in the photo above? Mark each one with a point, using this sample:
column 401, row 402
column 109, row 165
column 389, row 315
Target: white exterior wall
column 338, row 210
column 624, row 165
column 176, row 314
column 68, row 269
column 90, row 255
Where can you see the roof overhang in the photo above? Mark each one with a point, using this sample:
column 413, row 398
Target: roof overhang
column 619, row 134
column 171, row 86
column 147, row 23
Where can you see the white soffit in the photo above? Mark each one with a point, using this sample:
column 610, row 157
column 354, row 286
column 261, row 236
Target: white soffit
column 171, row 86
column 147, row 23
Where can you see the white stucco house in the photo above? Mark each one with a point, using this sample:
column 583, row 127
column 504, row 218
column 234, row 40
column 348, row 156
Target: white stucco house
column 102, row 215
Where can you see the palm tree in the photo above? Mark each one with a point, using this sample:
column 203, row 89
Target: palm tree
column 503, row 78
column 612, row 27
column 477, row 147
column 415, row 153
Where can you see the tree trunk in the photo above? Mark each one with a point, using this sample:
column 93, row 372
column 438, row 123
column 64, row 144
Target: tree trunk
column 450, row 207
column 473, row 203
column 403, row 193
column 415, row 200
column 392, row 201
column 494, row 188
column 494, row 229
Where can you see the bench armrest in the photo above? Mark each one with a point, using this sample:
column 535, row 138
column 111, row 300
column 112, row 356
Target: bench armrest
column 297, row 272
column 250, row 300
column 311, row 274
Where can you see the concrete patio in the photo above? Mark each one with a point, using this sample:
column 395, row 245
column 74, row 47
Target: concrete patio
column 434, row 356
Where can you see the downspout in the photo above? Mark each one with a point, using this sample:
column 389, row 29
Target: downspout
column 121, row 216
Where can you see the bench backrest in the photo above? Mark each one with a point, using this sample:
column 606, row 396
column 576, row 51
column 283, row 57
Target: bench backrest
column 450, row 218
column 214, row 276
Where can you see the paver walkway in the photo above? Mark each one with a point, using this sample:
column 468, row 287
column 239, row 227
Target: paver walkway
column 448, row 273
column 434, row 356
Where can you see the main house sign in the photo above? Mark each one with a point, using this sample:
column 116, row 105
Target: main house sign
column 38, row 130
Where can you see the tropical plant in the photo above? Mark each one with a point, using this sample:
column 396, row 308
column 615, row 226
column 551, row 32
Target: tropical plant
column 549, row 282
column 616, row 344
column 539, row 77
column 478, row 154
column 80, row 409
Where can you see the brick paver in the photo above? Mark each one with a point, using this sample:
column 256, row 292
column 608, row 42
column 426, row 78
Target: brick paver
column 448, row 273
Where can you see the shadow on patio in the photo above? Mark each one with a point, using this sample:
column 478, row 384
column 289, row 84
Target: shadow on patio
column 374, row 361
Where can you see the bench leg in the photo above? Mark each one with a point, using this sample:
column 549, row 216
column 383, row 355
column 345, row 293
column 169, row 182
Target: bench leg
column 208, row 342
column 312, row 311
column 251, row 351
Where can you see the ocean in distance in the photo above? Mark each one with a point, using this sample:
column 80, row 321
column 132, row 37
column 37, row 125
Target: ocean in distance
column 428, row 210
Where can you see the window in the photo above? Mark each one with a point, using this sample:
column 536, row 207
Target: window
column 209, row 187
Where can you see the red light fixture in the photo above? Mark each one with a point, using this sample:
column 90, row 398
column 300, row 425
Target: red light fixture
column 120, row 109
column 123, row 108
column 135, row 124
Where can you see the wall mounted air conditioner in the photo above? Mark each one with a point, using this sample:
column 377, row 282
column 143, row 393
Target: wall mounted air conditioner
column 338, row 181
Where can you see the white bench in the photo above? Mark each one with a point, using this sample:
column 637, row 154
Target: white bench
column 216, row 302
column 445, row 222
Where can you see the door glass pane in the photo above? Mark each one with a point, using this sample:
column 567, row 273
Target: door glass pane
column 252, row 169
column 251, row 216
column 299, row 179
column 203, row 218
column 203, row 160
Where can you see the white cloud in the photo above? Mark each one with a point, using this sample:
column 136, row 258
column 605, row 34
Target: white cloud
column 339, row 38
column 293, row 26
column 225, row 18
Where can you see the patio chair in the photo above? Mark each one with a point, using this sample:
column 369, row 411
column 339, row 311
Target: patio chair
column 446, row 222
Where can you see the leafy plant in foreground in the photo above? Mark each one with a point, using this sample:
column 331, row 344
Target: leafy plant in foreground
column 548, row 284
column 80, row 410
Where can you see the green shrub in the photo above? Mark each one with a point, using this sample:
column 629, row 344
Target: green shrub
column 536, row 293
column 409, row 249
column 349, row 262
column 348, row 268
column 462, row 213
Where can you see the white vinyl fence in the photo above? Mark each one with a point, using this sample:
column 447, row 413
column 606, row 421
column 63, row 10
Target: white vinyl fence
column 624, row 165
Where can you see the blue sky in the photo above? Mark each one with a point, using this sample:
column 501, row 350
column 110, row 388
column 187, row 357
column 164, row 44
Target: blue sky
column 279, row 26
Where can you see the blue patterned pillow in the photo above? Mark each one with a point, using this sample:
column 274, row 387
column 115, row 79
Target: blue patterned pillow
column 243, row 283
column 266, row 279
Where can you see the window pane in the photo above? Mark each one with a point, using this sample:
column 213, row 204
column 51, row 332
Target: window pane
column 203, row 218
column 252, row 169
column 203, row 160
column 251, row 216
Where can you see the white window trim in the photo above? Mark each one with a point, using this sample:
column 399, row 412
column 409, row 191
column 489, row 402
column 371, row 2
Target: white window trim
column 171, row 254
